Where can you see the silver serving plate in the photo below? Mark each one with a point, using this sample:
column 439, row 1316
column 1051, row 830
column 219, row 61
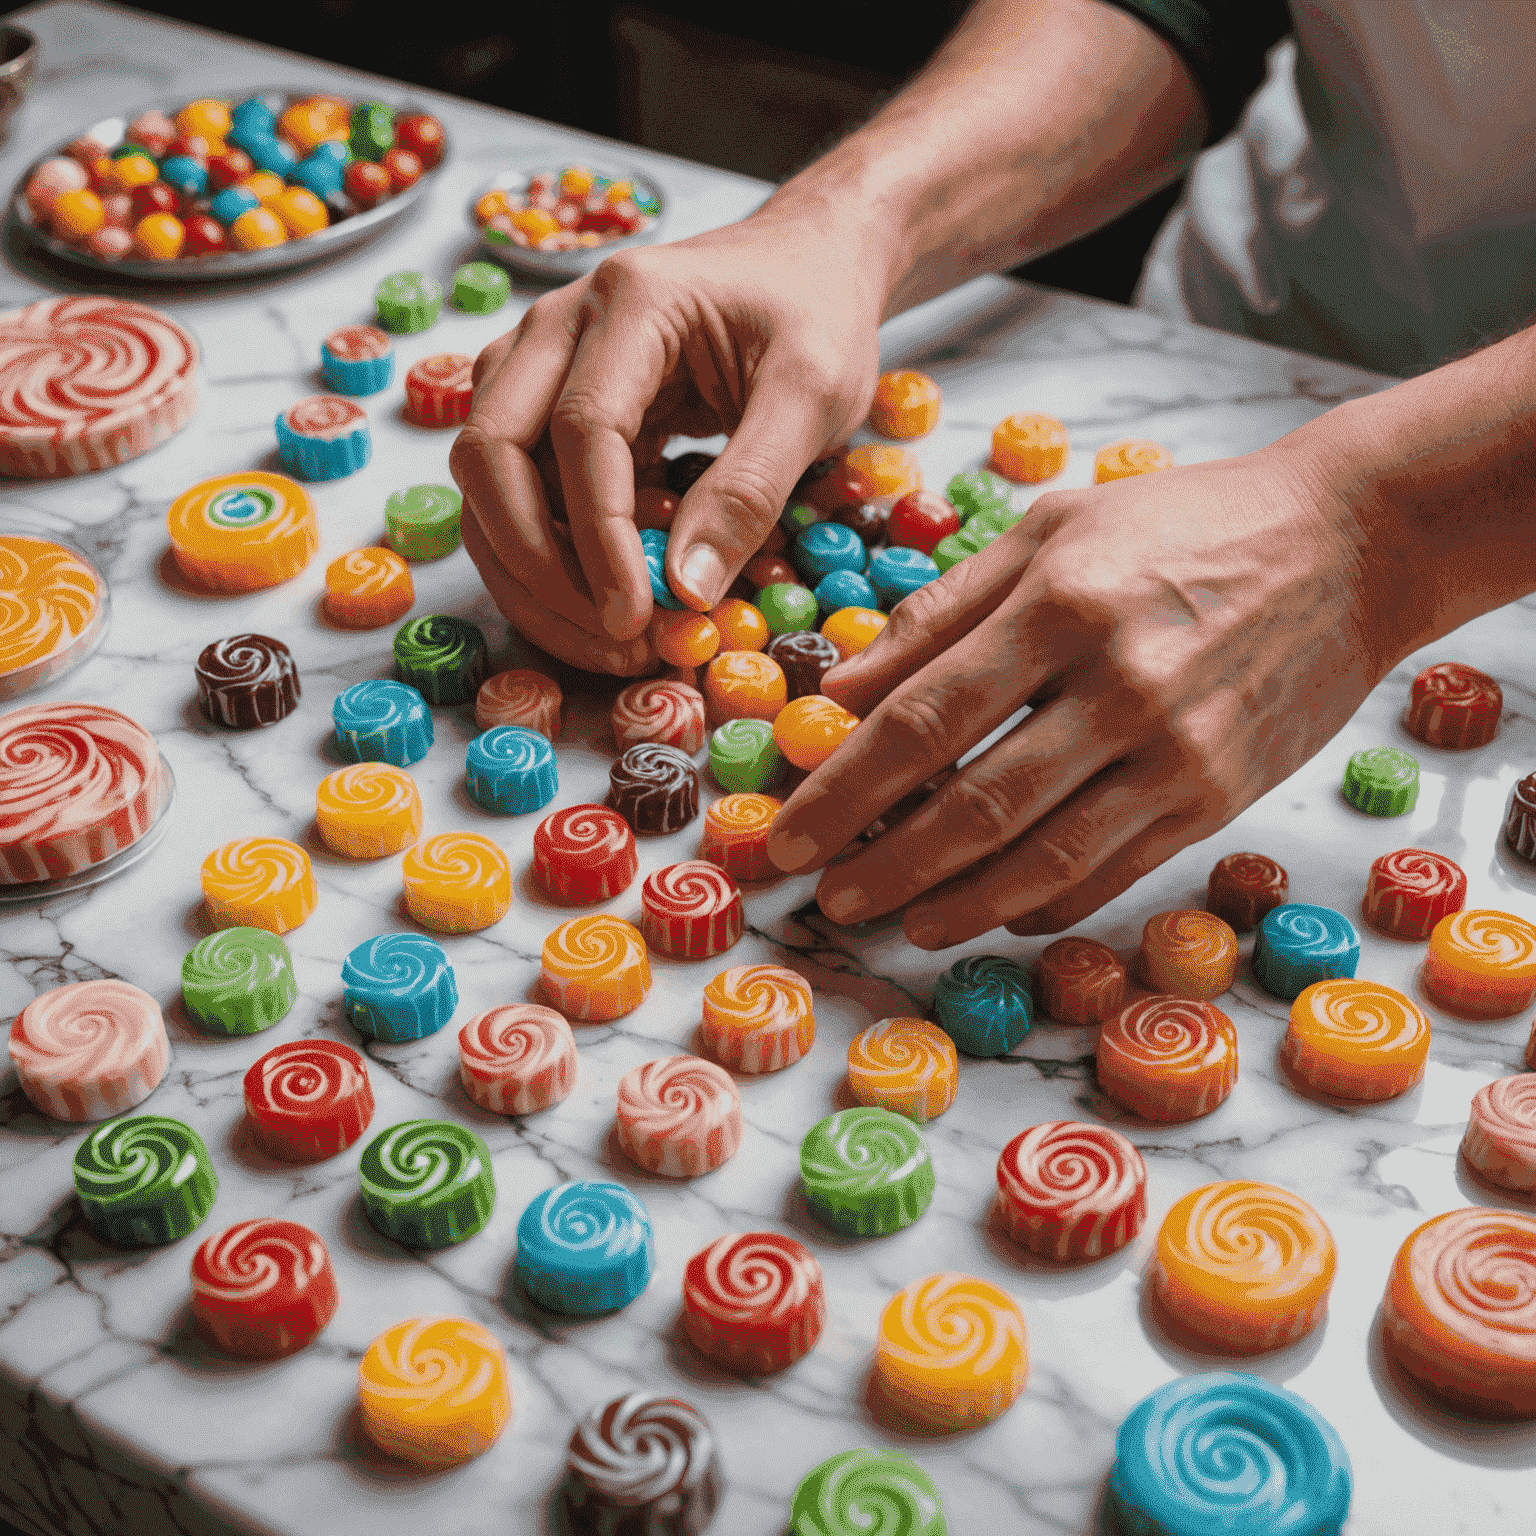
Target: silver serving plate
column 229, row 264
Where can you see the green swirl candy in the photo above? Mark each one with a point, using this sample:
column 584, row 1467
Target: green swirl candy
column 867, row 1493
column 427, row 1183
column 238, row 980
column 144, row 1180
column 442, row 657
column 742, row 756
column 423, row 521
column 978, row 490
column 866, row 1172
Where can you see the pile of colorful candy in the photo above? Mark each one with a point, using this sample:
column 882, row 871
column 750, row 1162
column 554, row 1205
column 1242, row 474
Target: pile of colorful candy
column 223, row 176
column 565, row 210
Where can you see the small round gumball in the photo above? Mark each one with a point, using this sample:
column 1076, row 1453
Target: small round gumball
column 50, row 179
column 809, row 730
column 264, row 186
column 897, row 572
column 978, row 490
column 920, row 519
column 852, row 630
column 371, row 130
column 192, row 146
column 768, row 571
column 424, row 136
column 232, row 202
column 806, row 658
column 76, row 215
column 258, row 229
column 865, row 518
column 787, row 607
column 744, row 685
column 207, row 116
column 404, row 168
column 655, row 507
column 229, row 169
column 887, row 471
column 117, row 209
column 153, row 130
column 366, row 183
column 742, row 627
column 843, row 589
column 906, row 404
column 160, row 236
column 440, row 389
column 683, row 638
column 153, row 197
column 319, row 172
column 185, row 176
column 204, row 236
column 826, row 547
column 133, row 170
column 301, row 211
column 110, row 244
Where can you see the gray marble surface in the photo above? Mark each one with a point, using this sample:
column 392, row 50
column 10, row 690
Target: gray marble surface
column 114, row 1416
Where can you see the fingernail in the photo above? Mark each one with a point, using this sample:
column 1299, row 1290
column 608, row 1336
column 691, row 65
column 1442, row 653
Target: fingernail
column 791, row 853
column 842, row 905
column 703, row 573
column 928, row 933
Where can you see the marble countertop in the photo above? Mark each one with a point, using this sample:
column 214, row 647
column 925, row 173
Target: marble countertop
column 115, row 1416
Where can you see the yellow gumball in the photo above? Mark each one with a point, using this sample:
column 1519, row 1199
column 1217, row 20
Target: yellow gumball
column 256, row 229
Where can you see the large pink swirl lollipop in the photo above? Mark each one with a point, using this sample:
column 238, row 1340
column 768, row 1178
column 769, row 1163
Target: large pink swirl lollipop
column 90, row 1049
column 517, row 1058
column 679, row 1116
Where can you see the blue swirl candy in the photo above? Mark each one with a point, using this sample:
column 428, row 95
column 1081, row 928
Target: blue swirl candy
column 983, row 1004
column 398, row 986
column 320, row 171
column 1298, row 944
column 1227, row 1454
column 826, row 547
column 654, row 544
column 381, row 721
column 844, row 589
column 585, row 1248
column 897, row 571
column 511, row 770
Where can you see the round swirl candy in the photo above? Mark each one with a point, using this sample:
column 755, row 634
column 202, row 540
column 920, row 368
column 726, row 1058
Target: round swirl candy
column 308, row 1099
column 866, row 1172
column 1297, row 944
column 1223, row 1453
column 511, row 770
column 368, row 588
column 806, row 657
column 684, row 639
column 735, row 835
column 520, row 697
column 754, row 1303
column 595, row 968
column 1244, row 1267
column 53, row 609
column 1168, row 1058
column 457, row 882
column 867, row 1492
column 1071, row 1192
column 518, row 1058
column 826, row 547
column 398, row 987
column 1135, row 456
column 810, row 729
column 1500, row 1140
column 653, row 544
column 1481, row 964
column 433, row 1391
column 584, row 853
column 442, row 657
column 1520, row 818
column 679, row 1116
column 744, row 685
column 263, row 1288
column 144, row 1181
column 1409, row 891
column 983, row 1004
column 853, row 630
column 1079, row 981
column 1455, row 706
column 78, row 783
column 247, row 680
column 655, row 788
column 908, row 1066
column 744, row 757
column 89, row 1049
column 1460, row 1311
column 642, row 1465
column 238, row 981
column 366, row 810
column 659, row 710
column 89, row 383
column 1244, row 887
column 323, row 437
column 1356, row 1039
column 240, row 533
column 1381, row 781
column 1188, row 954
column 422, row 523
column 897, row 572
column 691, row 910
column 259, row 882
column 585, row 1248
column 382, row 722
column 757, row 1018
column 358, row 360
column 427, row 1183
column 439, row 390
column 952, row 1351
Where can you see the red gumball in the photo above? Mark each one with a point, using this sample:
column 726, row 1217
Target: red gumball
column 153, row 197
column 920, row 519
column 841, row 486
column 205, row 236
column 602, row 221
column 422, row 136
column 367, row 183
column 193, row 145
column 404, row 168
column 767, row 570
column 226, row 169
column 655, row 507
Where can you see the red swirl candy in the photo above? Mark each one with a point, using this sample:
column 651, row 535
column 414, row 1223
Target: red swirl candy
column 358, row 344
column 1244, row 887
column 263, row 1288
column 584, row 853
column 1168, row 1058
column 1500, row 1140
column 691, row 910
column 1452, row 705
column 308, row 1099
column 325, row 417
column 1071, row 1191
column 1080, row 981
column 517, row 1059
column 439, row 390
column 1409, row 891
column 754, row 1303
column 659, row 709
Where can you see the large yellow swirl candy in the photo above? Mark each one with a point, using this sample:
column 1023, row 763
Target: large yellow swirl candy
column 433, row 1390
column 366, row 810
column 952, row 1351
column 50, row 606
column 259, row 882
column 457, row 882
column 596, row 968
column 1356, row 1039
column 239, row 533
column 906, row 1065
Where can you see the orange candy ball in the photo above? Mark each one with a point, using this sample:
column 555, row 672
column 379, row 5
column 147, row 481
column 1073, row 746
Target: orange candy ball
column 159, row 236
column 1030, row 447
column 683, row 638
column 265, row 186
column 744, row 685
column 742, row 627
column 1135, row 456
column 887, row 471
column 257, row 229
column 75, row 215
column 206, row 117
column 367, row 588
column 809, row 730
column 301, row 212
column 906, row 404
column 852, row 630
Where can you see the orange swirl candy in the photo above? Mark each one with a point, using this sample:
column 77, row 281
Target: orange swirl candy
column 1481, row 964
column 366, row 810
column 1356, row 1039
column 1500, row 1140
column 906, row 404
column 1246, row 1267
column 457, row 882
column 853, row 630
column 679, row 1116
column 908, row 1066
column 433, row 1391
column 367, row 588
column 887, row 471
column 1135, row 456
column 259, row 882
column 757, row 1018
column 596, row 968
column 520, row 697
column 1080, row 981
column 1188, row 954
column 1168, row 1058
column 1460, row 1310
column 240, row 533
column 952, row 1351
column 735, row 836
column 744, row 685
column 1029, row 447
column 50, row 611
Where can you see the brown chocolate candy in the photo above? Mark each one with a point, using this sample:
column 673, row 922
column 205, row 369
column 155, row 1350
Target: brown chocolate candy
column 654, row 787
column 1520, row 819
column 806, row 656
column 247, row 680
column 866, row 518
column 1244, row 887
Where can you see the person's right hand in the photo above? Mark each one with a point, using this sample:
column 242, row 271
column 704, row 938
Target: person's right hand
column 765, row 330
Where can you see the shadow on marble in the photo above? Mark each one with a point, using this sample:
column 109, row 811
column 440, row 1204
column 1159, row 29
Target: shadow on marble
column 1049, row 1278
column 174, row 579
column 1403, row 1106
column 1189, row 1355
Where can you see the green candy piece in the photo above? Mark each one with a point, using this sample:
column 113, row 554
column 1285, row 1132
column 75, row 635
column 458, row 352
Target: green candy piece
column 987, row 525
column 238, row 981
column 373, row 130
column 866, row 1172
column 787, row 606
column 978, row 490
column 1381, row 781
column 423, row 522
column 858, row 1493
column 408, row 301
column 797, row 517
column 442, row 657
column 143, row 1181
column 427, row 1183
column 481, row 288
column 951, row 550
column 742, row 756
column 647, row 203
column 127, row 148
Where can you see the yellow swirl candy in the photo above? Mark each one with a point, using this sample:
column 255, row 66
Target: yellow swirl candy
column 368, row 809
column 457, row 882
column 49, row 599
column 239, row 533
column 1356, row 1039
column 596, row 968
column 905, row 1065
column 259, row 882
column 1135, row 456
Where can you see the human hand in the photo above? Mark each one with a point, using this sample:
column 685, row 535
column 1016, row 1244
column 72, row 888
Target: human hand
column 1187, row 639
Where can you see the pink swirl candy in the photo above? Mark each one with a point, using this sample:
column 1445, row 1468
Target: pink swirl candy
column 520, row 697
column 1500, row 1140
column 659, row 709
column 679, row 1116
column 518, row 1058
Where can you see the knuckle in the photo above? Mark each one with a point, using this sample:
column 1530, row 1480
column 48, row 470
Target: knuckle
column 985, row 810
column 917, row 728
column 919, row 613
column 621, row 274
column 748, row 491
